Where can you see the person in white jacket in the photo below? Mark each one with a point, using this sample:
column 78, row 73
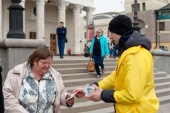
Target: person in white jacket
column 35, row 87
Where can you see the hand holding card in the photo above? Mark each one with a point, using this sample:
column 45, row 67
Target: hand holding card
column 89, row 89
column 79, row 92
column 71, row 96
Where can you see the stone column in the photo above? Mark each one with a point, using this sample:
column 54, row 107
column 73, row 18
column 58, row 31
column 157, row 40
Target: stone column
column 40, row 18
column 89, row 18
column 1, row 19
column 5, row 24
column 76, row 33
column 62, row 11
column 22, row 3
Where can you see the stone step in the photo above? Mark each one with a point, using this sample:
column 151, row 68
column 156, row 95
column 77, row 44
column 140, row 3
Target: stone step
column 160, row 74
column 86, row 106
column 103, row 110
column 93, row 75
column 80, row 70
column 155, row 69
column 164, row 99
column 83, row 75
column 79, row 82
column 79, row 65
column 162, row 79
column 80, row 61
column 162, row 85
column 163, row 92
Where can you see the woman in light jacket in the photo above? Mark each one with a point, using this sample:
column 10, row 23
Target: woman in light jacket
column 99, row 49
column 35, row 87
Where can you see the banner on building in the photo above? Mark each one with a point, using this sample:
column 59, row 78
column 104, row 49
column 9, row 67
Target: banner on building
column 91, row 34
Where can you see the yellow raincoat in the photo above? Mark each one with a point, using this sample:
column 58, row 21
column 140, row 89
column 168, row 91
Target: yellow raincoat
column 133, row 80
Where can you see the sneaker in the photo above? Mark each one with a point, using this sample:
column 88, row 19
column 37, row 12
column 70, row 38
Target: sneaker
column 98, row 76
column 102, row 70
column 61, row 57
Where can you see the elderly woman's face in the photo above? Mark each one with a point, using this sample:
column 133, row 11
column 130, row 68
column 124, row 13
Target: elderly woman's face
column 98, row 33
column 43, row 65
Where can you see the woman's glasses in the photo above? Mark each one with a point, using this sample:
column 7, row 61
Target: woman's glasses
column 45, row 63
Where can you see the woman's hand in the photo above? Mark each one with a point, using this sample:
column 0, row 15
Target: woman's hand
column 69, row 101
column 79, row 92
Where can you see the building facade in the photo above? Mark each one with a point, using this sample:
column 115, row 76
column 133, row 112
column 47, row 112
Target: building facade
column 148, row 22
column 42, row 17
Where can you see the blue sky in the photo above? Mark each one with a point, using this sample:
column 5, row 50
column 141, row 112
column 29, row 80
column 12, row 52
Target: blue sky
column 108, row 6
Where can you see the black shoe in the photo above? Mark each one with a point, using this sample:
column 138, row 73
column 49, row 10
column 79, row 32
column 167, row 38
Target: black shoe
column 61, row 57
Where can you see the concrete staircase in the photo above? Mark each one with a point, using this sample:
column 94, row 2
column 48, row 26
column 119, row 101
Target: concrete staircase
column 75, row 74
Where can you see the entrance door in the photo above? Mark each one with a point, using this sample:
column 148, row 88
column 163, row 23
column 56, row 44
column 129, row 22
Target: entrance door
column 32, row 35
column 53, row 42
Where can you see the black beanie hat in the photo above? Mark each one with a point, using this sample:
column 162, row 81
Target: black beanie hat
column 120, row 24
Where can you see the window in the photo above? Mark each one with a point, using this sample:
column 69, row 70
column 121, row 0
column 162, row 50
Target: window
column 144, row 6
column 34, row 11
column 32, row 35
column 161, row 26
column 138, row 7
column 133, row 7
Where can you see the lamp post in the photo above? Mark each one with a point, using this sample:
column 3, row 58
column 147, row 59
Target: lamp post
column 16, row 20
column 136, row 22
column 159, row 34
column 16, row 1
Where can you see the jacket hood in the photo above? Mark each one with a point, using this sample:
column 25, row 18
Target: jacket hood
column 136, row 39
column 131, row 39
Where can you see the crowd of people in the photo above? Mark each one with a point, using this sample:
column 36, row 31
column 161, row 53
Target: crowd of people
column 36, row 87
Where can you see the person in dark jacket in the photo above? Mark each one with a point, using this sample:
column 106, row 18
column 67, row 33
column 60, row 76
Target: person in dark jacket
column 1, row 94
column 61, row 32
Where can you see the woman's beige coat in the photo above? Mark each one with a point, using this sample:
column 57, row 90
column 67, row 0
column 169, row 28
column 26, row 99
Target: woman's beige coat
column 12, row 85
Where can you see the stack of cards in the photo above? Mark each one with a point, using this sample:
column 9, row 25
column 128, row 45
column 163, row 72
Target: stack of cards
column 72, row 95
column 89, row 89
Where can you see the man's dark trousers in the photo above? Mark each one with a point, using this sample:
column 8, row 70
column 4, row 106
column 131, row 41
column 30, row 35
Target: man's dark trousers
column 61, row 46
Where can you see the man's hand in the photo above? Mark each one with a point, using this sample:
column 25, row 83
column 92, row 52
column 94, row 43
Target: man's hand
column 79, row 92
column 96, row 96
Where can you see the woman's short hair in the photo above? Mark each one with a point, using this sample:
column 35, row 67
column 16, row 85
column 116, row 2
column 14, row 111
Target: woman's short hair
column 99, row 29
column 38, row 54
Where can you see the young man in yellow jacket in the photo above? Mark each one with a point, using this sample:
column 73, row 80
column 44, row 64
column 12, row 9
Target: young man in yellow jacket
column 131, row 85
